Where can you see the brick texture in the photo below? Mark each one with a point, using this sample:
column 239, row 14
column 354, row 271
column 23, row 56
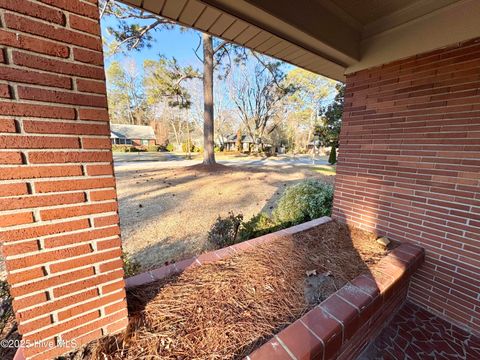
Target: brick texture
column 58, row 209
column 409, row 168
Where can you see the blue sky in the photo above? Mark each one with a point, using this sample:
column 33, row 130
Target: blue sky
column 178, row 42
column 171, row 43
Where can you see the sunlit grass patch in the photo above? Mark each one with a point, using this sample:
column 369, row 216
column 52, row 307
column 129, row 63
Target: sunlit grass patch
column 324, row 169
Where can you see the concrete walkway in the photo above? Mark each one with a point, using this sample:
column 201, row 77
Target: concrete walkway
column 168, row 160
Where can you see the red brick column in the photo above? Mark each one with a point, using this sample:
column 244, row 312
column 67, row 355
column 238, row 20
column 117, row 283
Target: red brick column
column 409, row 167
column 58, row 207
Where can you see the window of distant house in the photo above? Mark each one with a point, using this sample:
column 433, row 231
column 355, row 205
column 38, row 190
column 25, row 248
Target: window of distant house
column 128, row 141
column 144, row 142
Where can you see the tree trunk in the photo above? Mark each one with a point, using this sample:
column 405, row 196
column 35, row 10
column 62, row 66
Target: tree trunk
column 208, row 130
column 177, row 139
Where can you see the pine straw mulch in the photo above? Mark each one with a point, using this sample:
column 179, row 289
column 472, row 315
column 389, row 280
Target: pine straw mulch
column 226, row 309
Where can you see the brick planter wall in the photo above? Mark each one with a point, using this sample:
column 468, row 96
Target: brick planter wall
column 58, row 207
column 409, row 167
column 341, row 326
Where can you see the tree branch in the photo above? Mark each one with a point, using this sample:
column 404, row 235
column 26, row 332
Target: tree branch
column 221, row 45
column 268, row 68
column 195, row 51
column 104, row 8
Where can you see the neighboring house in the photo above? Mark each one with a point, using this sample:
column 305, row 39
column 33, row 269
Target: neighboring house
column 230, row 142
column 136, row 135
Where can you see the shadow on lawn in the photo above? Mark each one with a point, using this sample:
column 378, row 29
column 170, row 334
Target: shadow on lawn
column 143, row 207
column 153, row 256
column 231, row 168
column 174, row 248
column 170, row 183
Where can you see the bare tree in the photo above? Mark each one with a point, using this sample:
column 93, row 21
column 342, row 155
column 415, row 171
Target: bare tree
column 125, row 95
column 225, row 122
column 257, row 95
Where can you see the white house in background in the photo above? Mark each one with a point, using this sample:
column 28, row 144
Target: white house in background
column 230, row 142
column 136, row 135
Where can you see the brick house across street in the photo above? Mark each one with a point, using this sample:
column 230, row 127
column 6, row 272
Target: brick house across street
column 136, row 135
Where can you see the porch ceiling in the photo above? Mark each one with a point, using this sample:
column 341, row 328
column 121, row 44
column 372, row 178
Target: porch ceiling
column 329, row 37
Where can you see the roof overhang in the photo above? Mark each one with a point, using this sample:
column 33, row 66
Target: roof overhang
column 329, row 37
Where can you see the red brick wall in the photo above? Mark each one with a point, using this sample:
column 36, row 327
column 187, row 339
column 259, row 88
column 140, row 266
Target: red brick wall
column 409, row 167
column 58, row 207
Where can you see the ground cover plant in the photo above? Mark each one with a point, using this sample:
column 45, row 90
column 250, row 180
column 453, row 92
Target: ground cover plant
column 304, row 201
column 307, row 200
column 225, row 230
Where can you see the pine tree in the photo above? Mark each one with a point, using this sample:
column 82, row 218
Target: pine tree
column 332, row 159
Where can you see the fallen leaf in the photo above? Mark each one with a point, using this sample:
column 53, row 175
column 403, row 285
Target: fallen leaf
column 311, row 272
column 384, row 241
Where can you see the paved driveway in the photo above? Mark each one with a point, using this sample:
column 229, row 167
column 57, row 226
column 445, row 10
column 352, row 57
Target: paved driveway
column 161, row 160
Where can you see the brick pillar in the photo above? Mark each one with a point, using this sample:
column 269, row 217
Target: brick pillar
column 409, row 167
column 58, row 206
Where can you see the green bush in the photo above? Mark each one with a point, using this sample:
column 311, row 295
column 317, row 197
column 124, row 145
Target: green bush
column 332, row 159
column 130, row 148
column 304, row 201
column 258, row 225
column 138, row 148
column 119, row 148
column 130, row 266
column 153, row 148
column 185, row 147
column 169, row 147
column 224, row 230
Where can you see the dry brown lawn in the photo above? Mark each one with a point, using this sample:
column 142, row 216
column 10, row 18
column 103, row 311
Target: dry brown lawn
column 165, row 214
